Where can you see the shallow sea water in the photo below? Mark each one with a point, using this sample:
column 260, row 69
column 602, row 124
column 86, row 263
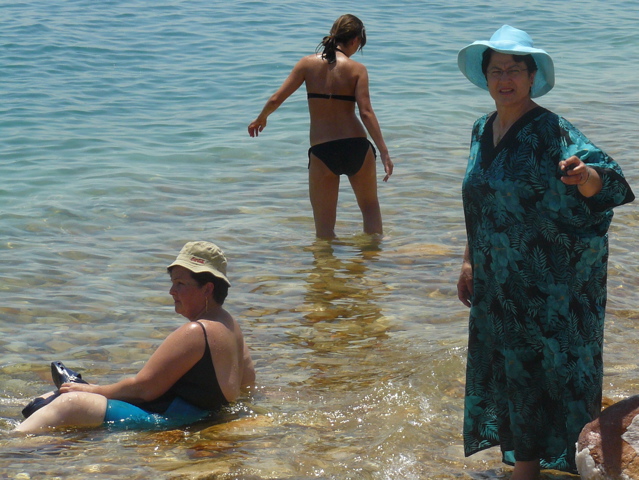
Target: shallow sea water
column 123, row 135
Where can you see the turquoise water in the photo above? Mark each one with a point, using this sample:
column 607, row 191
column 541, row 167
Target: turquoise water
column 123, row 135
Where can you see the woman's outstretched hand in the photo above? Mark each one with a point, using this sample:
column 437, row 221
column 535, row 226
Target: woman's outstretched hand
column 388, row 166
column 256, row 126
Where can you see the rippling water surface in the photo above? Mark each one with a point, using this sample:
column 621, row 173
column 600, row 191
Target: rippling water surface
column 123, row 135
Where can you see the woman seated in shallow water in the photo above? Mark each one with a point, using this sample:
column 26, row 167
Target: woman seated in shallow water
column 200, row 367
column 334, row 84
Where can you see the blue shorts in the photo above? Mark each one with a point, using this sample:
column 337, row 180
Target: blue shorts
column 122, row 415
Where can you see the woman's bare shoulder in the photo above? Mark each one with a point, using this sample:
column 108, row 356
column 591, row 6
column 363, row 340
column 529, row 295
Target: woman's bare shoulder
column 356, row 66
column 187, row 336
column 310, row 60
column 222, row 323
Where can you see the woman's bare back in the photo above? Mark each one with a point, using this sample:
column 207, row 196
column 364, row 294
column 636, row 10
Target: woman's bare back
column 332, row 118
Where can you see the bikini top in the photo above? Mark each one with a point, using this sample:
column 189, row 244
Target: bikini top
column 199, row 386
column 328, row 96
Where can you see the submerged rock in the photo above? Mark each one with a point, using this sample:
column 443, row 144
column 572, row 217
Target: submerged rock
column 608, row 447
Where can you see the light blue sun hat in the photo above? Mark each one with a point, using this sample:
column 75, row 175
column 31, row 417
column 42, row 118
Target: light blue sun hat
column 511, row 41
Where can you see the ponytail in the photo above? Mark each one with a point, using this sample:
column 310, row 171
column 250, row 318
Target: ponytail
column 346, row 28
column 329, row 46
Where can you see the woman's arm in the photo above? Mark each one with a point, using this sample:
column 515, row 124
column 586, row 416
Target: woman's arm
column 369, row 119
column 290, row 85
column 578, row 173
column 173, row 358
column 248, row 377
column 598, row 177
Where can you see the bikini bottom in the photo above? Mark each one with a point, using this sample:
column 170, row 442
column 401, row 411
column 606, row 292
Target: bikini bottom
column 344, row 156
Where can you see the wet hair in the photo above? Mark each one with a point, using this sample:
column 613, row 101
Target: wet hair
column 527, row 59
column 220, row 287
column 346, row 28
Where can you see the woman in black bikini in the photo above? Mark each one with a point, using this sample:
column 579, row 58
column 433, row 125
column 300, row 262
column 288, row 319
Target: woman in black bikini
column 339, row 145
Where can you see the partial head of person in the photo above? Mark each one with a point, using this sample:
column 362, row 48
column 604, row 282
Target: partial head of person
column 207, row 264
column 346, row 29
column 474, row 61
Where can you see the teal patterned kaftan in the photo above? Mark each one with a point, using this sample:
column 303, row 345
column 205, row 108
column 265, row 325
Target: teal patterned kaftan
column 539, row 252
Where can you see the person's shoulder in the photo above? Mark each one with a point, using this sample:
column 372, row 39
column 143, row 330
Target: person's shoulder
column 308, row 64
column 222, row 322
column 550, row 116
column 189, row 329
column 544, row 113
column 311, row 59
column 484, row 118
column 548, row 120
column 188, row 334
column 355, row 65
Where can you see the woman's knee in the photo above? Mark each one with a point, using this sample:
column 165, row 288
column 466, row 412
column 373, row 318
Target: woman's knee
column 82, row 402
column 68, row 410
column 78, row 408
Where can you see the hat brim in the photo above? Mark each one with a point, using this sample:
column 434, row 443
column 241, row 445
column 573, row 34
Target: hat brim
column 469, row 61
column 195, row 268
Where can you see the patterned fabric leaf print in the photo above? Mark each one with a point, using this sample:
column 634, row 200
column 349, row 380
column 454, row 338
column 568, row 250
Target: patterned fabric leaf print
column 550, row 231
column 472, row 405
column 611, row 190
column 527, row 136
column 557, row 303
column 539, row 252
column 515, row 368
column 556, row 202
column 555, row 135
column 538, row 180
column 591, row 254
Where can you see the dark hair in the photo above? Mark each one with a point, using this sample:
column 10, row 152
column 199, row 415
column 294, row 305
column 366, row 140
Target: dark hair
column 220, row 287
column 527, row 59
column 346, row 28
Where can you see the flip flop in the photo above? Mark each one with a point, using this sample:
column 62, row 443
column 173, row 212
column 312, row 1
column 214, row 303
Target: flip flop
column 37, row 403
column 62, row 374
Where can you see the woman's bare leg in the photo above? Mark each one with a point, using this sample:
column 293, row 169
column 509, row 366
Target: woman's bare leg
column 364, row 185
column 526, row 470
column 323, row 187
column 78, row 409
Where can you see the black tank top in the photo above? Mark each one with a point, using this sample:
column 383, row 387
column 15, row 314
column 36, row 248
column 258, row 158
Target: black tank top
column 198, row 386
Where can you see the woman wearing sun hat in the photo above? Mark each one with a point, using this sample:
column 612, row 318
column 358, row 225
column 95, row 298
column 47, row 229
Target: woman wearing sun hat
column 538, row 199
column 199, row 368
